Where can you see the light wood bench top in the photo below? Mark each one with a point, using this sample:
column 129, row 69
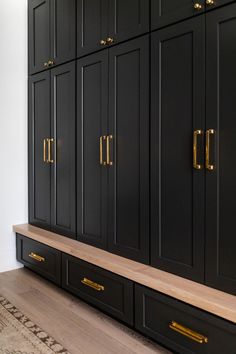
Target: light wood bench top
column 201, row 296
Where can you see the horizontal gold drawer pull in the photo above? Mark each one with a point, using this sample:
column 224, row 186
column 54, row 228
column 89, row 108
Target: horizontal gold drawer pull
column 93, row 285
column 188, row 332
column 36, row 257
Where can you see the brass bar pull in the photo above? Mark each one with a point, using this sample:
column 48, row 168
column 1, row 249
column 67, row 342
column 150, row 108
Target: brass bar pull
column 196, row 165
column 197, row 337
column 36, row 257
column 93, row 285
column 50, row 160
column 109, row 162
column 102, row 138
column 44, row 150
column 209, row 166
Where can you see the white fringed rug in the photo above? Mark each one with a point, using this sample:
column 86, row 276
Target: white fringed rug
column 19, row 335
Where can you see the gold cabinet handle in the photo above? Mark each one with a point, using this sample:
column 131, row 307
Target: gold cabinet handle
column 102, row 138
column 196, row 165
column 49, row 141
column 51, row 62
column 209, row 166
column 197, row 337
column 92, row 284
column 44, row 150
column 36, row 257
column 109, row 162
column 45, row 65
column 210, row 2
column 103, row 42
column 197, row 6
column 110, row 40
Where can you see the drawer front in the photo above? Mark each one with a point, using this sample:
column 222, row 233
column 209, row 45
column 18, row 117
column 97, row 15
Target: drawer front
column 42, row 259
column 181, row 327
column 111, row 293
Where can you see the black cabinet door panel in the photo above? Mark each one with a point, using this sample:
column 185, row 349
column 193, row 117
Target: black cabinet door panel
column 39, row 34
column 129, row 126
column 221, row 182
column 177, row 190
column 63, row 30
column 128, row 18
column 63, row 149
column 165, row 12
column 92, row 104
column 39, row 170
column 92, row 25
column 156, row 312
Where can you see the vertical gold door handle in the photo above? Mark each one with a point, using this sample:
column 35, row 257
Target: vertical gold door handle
column 50, row 160
column 209, row 166
column 109, row 162
column 196, row 165
column 44, row 150
column 102, row 138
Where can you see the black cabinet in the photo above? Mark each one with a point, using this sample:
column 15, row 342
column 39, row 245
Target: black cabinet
column 52, row 150
column 108, row 291
column 113, row 153
column 128, row 224
column 63, row 196
column 177, row 189
column 38, row 34
column 180, row 327
column 127, row 19
column 39, row 131
column 40, row 258
column 104, row 22
column 165, row 12
column 52, row 33
column 92, row 122
column 221, row 126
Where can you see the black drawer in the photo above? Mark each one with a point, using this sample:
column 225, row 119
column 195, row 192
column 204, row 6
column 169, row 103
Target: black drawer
column 42, row 259
column 181, row 327
column 111, row 293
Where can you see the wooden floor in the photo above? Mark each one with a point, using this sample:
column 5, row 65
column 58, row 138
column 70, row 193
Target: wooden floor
column 76, row 325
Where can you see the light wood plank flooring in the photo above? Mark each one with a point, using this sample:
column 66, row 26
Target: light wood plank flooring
column 76, row 325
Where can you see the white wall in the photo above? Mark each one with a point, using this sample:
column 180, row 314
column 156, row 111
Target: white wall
column 13, row 125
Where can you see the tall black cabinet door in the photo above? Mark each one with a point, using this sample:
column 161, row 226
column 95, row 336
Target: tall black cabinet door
column 63, row 30
column 165, row 12
column 39, row 168
column 92, row 25
column 63, row 193
column 39, row 34
column 129, row 149
column 128, row 18
column 177, row 190
column 221, row 181
column 92, row 107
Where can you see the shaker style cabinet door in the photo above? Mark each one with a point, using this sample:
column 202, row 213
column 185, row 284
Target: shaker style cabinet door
column 52, row 33
column 62, row 146
column 127, row 19
column 165, row 12
column 92, row 26
column 39, row 34
column 92, row 112
column 39, row 133
column 128, row 150
column 221, row 170
column 177, row 181
column 63, row 31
